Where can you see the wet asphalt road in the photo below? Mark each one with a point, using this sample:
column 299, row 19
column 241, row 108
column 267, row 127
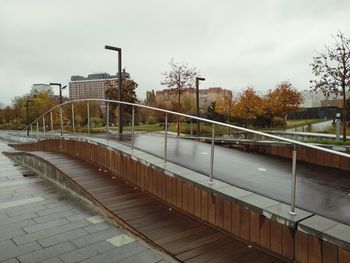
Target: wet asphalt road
column 324, row 191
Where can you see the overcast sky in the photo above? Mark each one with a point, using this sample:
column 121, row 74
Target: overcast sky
column 234, row 43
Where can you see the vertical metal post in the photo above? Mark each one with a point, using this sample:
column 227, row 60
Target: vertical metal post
column 120, row 93
column 61, row 119
column 107, row 121
column 31, row 128
column 44, row 128
column 212, row 155
column 73, row 124
column 37, row 127
column 191, row 128
column 293, row 182
column 51, row 121
column 132, row 127
column 166, row 138
column 88, row 116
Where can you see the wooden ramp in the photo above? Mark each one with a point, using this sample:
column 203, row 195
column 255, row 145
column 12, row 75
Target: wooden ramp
column 183, row 237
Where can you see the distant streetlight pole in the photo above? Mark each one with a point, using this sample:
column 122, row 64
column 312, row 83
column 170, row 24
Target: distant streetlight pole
column 61, row 88
column 120, row 112
column 27, row 104
column 197, row 102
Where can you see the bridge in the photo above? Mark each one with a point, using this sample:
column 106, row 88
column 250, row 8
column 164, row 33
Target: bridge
column 199, row 201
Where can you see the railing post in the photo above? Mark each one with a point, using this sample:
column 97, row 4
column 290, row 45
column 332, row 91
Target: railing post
column 37, row 127
column 88, row 116
column 191, row 128
column 51, row 121
column 293, row 182
column 132, row 127
column 31, row 129
column 44, row 128
column 212, row 155
column 61, row 119
column 166, row 138
column 107, row 121
column 73, row 124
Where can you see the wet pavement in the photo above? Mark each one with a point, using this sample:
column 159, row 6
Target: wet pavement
column 321, row 190
column 40, row 223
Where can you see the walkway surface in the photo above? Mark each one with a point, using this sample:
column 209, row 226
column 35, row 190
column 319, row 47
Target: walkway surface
column 181, row 236
column 39, row 223
column 321, row 190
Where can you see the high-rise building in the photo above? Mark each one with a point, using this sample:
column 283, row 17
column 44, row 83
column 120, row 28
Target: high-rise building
column 38, row 88
column 93, row 86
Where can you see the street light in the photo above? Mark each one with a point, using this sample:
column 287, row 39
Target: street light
column 197, row 102
column 119, row 50
column 61, row 88
column 27, row 104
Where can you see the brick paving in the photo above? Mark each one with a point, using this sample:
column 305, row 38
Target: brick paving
column 40, row 223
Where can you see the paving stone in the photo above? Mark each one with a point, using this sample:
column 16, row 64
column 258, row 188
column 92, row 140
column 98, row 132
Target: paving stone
column 120, row 240
column 86, row 252
column 116, row 255
column 50, row 232
column 11, row 234
column 10, row 250
column 46, row 253
column 50, row 217
column 20, row 202
column 96, row 237
column 54, row 210
column 147, row 256
column 60, row 238
column 52, row 260
column 42, row 226
column 95, row 219
column 4, row 228
column 12, row 260
column 77, row 217
column 97, row 227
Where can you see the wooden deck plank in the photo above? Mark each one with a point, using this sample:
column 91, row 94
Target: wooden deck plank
column 187, row 239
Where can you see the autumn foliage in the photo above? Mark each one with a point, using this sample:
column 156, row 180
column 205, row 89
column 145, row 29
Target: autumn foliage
column 251, row 108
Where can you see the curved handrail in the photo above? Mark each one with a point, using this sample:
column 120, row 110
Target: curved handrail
column 293, row 142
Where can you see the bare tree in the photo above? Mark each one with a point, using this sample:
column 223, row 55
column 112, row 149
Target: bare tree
column 332, row 68
column 179, row 77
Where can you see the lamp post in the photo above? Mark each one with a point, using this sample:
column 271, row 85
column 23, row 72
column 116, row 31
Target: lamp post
column 120, row 119
column 27, row 104
column 61, row 88
column 197, row 102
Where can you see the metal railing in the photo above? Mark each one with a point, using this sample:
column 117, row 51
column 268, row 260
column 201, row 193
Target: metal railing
column 293, row 143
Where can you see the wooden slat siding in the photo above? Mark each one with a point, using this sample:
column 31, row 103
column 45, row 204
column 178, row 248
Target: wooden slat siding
column 168, row 189
column 197, row 202
column 179, row 194
column 329, row 253
column 227, row 215
column 236, row 219
column 343, row 256
column 211, row 208
column 219, row 212
column 245, row 220
column 191, row 205
column 254, row 227
column 185, row 200
column 301, row 247
column 174, row 192
column 288, row 242
column 204, row 205
column 314, row 250
column 265, row 232
column 276, row 237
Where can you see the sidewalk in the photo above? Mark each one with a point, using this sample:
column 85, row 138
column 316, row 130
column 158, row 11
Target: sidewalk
column 39, row 223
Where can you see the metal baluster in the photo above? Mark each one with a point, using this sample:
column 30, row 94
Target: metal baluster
column 31, row 129
column 212, row 156
column 191, row 128
column 293, row 182
column 88, row 116
column 44, row 128
column 51, row 120
column 132, row 127
column 107, row 121
column 61, row 118
column 37, row 127
column 73, row 124
column 166, row 138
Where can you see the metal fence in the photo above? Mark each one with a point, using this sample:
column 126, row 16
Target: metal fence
column 293, row 143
